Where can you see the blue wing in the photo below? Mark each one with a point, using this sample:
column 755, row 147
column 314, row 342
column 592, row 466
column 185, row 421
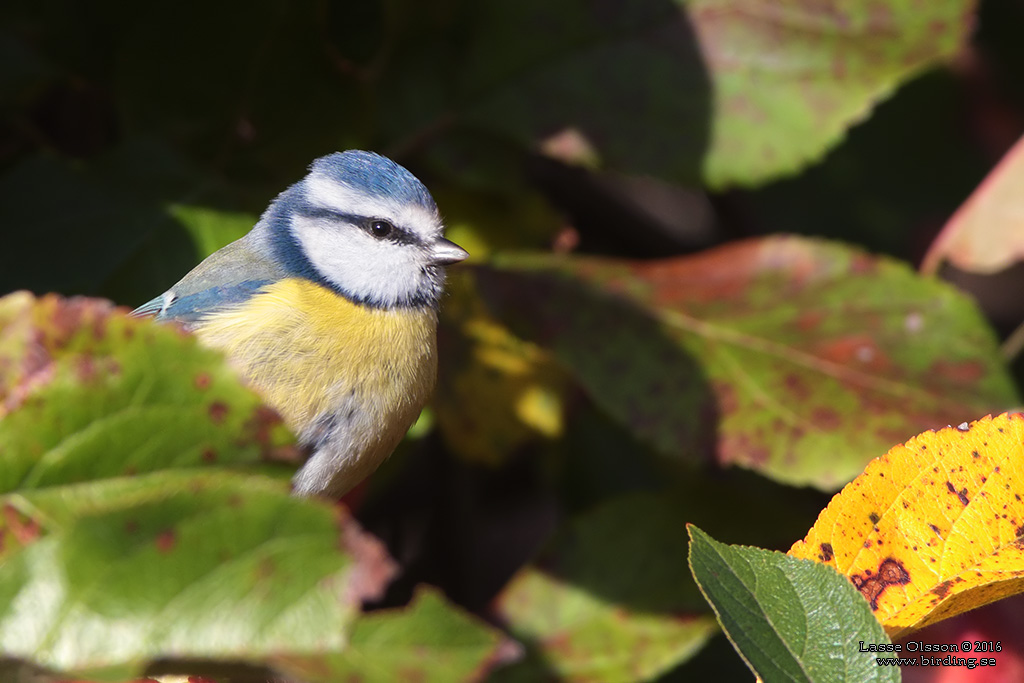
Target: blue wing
column 192, row 307
column 228, row 277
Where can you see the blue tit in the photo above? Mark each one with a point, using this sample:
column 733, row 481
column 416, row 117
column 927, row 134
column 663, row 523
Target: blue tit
column 328, row 307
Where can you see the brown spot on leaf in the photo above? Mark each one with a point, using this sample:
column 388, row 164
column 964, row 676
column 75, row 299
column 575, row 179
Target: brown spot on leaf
column 826, row 418
column 797, row 387
column 942, row 589
column 863, row 264
column 874, row 517
column 261, row 423
column 961, row 494
column 209, row 455
column 826, row 552
column 856, row 350
column 891, row 572
column 808, row 321
column 24, row 528
column 725, row 392
column 166, row 541
column 265, row 569
column 203, row 381
column 218, row 411
column 85, row 369
column 958, row 371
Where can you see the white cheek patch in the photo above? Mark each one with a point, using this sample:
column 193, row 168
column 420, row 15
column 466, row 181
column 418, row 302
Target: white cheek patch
column 322, row 191
column 367, row 268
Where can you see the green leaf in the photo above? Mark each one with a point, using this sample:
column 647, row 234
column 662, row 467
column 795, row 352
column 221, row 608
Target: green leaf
column 174, row 566
column 427, row 641
column 127, row 546
column 790, row 619
column 609, row 600
column 728, row 91
column 798, row 358
column 91, row 393
column 212, row 229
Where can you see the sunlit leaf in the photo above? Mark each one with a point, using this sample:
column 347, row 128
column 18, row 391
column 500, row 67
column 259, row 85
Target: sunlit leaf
column 790, row 620
column 986, row 234
column 87, row 392
column 932, row 528
column 797, row 358
column 126, row 544
column 216, row 566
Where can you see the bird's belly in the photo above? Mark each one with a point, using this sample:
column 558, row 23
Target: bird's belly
column 343, row 376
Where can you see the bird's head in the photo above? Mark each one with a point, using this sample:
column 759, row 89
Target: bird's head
column 366, row 227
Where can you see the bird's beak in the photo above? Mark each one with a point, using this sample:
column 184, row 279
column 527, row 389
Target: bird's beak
column 445, row 252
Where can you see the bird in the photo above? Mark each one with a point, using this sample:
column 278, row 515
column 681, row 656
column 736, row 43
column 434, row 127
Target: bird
column 328, row 308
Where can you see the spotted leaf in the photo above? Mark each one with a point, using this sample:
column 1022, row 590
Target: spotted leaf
column 728, row 91
column 87, row 392
column 932, row 528
column 794, row 357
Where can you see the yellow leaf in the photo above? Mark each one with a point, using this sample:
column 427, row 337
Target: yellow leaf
column 495, row 392
column 934, row 527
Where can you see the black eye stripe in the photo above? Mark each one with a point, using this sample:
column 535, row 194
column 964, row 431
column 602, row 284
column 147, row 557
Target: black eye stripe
column 393, row 234
column 397, row 233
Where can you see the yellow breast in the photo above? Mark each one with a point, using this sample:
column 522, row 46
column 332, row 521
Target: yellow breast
column 311, row 352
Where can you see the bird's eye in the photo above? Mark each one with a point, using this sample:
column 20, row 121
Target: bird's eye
column 381, row 228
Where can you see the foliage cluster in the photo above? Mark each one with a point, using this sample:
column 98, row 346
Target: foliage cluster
column 691, row 301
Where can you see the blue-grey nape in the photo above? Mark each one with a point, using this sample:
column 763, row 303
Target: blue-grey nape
column 377, row 175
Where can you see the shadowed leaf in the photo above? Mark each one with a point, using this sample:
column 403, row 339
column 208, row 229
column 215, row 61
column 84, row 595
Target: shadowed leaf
column 794, row 357
column 480, row 357
column 429, row 640
column 730, row 91
column 609, row 599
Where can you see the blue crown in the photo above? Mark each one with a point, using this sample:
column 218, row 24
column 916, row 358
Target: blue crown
column 375, row 175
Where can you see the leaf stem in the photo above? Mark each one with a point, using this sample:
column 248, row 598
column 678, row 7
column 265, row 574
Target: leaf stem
column 1014, row 344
